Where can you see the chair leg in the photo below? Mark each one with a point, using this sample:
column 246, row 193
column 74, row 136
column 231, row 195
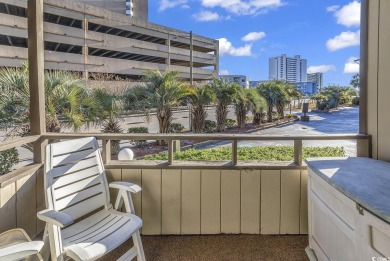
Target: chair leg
column 45, row 252
column 138, row 245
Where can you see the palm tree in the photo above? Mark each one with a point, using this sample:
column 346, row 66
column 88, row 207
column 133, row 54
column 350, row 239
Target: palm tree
column 110, row 106
column 270, row 91
column 161, row 91
column 202, row 96
column 257, row 105
column 67, row 97
column 224, row 93
column 286, row 93
column 244, row 101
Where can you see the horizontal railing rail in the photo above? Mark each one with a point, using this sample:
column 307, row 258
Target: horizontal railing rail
column 106, row 139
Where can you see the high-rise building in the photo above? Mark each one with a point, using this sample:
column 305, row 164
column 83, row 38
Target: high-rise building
column 133, row 8
column 317, row 78
column 290, row 69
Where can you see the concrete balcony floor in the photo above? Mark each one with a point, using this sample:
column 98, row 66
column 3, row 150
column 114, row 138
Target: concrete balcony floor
column 220, row 247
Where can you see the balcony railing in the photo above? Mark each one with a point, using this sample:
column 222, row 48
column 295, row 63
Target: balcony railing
column 184, row 197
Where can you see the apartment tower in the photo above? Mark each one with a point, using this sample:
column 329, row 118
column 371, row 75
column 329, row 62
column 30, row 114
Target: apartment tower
column 290, row 69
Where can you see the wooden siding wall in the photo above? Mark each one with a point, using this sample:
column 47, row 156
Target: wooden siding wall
column 19, row 203
column 378, row 77
column 218, row 201
column 186, row 201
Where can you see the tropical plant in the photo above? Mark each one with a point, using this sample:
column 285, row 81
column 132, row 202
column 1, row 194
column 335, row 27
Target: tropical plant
column 8, row 158
column 201, row 97
column 355, row 81
column 69, row 101
column 224, row 93
column 244, row 101
column 210, row 126
column 272, row 93
column 230, row 123
column 109, row 106
column 138, row 143
column 257, row 105
column 162, row 92
column 177, row 128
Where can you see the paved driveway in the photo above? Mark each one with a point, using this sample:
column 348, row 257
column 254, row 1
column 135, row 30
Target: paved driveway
column 342, row 121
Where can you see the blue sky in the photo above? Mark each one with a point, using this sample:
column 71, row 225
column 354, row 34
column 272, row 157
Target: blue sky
column 325, row 32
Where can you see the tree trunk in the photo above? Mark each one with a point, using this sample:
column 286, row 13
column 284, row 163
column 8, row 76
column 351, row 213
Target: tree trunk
column 240, row 112
column 222, row 112
column 257, row 118
column 164, row 118
column 269, row 113
column 280, row 109
column 199, row 115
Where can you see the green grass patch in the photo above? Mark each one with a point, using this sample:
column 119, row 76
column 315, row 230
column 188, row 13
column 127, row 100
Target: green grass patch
column 268, row 153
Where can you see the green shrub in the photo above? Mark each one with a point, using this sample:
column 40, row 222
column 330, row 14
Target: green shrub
column 355, row 101
column 210, row 126
column 268, row 153
column 177, row 128
column 230, row 123
column 8, row 158
column 138, row 143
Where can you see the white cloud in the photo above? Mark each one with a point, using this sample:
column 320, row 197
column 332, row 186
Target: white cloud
column 348, row 15
column 243, row 7
column 351, row 66
column 226, row 48
column 166, row 4
column 253, row 36
column 343, row 40
column 321, row 68
column 206, row 16
column 332, row 8
column 224, row 72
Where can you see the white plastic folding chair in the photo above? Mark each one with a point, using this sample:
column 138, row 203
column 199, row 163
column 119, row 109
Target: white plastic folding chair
column 81, row 222
column 15, row 244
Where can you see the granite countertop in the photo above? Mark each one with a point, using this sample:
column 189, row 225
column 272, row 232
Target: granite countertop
column 365, row 181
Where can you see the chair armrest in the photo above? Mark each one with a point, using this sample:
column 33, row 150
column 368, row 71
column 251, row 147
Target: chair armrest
column 127, row 186
column 55, row 218
column 21, row 250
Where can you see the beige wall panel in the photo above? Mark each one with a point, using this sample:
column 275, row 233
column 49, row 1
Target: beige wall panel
column 270, row 202
column 151, row 201
column 171, row 201
column 113, row 175
column 250, row 201
column 8, row 207
column 41, row 204
column 290, row 201
column 383, row 82
column 372, row 72
column 303, row 219
column 190, row 202
column 211, row 201
column 230, row 201
column 134, row 176
column 26, row 209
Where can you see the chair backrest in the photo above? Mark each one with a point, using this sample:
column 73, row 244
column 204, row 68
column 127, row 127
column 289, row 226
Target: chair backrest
column 75, row 180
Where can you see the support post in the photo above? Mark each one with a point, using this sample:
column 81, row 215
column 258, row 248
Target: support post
column 36, row 63
column 170, row 152
column 362, row 146
column 106, row 147
column 234, row 153
column 298, row 152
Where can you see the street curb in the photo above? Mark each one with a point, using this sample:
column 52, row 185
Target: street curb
column 200, row 144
